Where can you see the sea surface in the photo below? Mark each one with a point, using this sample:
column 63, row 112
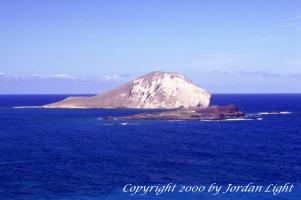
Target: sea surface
column 72, row 154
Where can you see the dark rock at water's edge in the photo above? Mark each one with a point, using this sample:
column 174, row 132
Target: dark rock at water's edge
column 200, row 113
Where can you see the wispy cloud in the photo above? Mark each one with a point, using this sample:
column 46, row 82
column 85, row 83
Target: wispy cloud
column 58, row 83
column 259, row 73
column 56, row 76
column 245, row 73
column 264, row 74
column 295, row 22
column 115, row 77
column 63, row 76
column 111, row 77
column 226, row 73
column 279, row 31
column 294, row 75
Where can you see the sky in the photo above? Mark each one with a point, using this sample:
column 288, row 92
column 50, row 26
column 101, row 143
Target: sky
column 89, row 46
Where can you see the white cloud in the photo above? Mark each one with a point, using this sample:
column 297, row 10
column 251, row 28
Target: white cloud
column 63, row 76
column 58, row 76
column 38, row 76
column 115, row 77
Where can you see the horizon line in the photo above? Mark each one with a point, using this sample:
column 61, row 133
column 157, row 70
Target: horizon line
column 214, row 93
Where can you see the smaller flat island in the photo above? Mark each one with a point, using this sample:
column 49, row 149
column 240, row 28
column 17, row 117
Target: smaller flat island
column 202, row 113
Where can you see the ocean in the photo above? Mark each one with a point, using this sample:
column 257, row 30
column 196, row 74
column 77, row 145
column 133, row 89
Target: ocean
column 72, row 154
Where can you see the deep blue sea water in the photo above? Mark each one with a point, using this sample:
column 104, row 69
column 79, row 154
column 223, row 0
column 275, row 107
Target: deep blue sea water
column 71, row 154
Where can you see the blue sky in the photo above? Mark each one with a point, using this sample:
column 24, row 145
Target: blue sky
column 60, row 46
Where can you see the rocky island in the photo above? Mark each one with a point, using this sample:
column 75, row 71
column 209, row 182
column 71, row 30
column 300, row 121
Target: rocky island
column 151, row 91
column 203, row 113
column 179, row 98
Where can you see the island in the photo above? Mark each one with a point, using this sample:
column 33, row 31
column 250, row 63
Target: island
column 173, row 93
column 156, row 90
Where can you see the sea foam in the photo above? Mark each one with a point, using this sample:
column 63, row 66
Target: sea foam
column 274, row 113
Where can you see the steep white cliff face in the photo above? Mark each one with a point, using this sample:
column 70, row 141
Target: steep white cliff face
column 153, row 90
column 167, row 90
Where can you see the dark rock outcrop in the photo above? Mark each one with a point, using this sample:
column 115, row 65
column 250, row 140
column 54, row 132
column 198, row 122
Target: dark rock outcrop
column 208, row 113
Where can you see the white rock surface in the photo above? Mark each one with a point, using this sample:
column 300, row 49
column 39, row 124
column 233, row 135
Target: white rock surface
column 153, row 90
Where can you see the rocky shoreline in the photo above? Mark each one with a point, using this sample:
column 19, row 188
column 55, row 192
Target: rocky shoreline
column 200, row 113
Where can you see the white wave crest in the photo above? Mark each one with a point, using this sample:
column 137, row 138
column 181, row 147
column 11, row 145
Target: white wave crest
column 285, row 112
column 274, row 113
column 238, row 119
column 118, row 124
column 230, row 119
